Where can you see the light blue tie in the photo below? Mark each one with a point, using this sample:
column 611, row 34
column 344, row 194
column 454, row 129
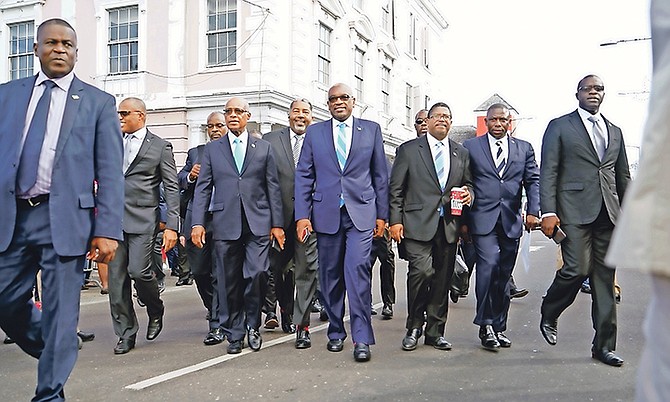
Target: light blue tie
column 439, row 165
column 237, row 154
column 341, row 145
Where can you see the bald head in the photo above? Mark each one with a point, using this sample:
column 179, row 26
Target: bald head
column 340, row 101
column 237, row 114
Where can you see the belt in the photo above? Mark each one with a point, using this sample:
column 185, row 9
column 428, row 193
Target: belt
column 32, row 202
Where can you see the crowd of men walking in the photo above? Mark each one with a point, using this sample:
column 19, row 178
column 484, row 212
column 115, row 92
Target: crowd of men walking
column 310, row 206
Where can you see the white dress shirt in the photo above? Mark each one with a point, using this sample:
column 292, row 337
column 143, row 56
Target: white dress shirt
column 133, row 145
column 432, row 142
column 504, row 144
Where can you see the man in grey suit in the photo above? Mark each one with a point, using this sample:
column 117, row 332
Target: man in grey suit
column 47, row 169
column 286, row 146
column 148, row 162
column 583, row 178
column 424, row 172
column 238, row 183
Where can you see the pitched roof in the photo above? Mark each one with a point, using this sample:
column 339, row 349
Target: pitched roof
column 495, row 98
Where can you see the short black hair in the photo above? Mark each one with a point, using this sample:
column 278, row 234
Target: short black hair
column 579, row 84
column 496, row 106
column 438, row 104
column 300, row 100
column 54, row 21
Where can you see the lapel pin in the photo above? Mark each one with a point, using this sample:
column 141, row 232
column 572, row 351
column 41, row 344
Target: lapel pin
column 75, row 97
column 359, row 129
column 253, row 145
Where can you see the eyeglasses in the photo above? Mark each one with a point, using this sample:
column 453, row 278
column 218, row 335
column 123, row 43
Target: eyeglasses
column 125, row 113
column 235, row 110
column 217, row 125
column 335, row 98
column 419, row 122
column 589, row 88
column 444, row 117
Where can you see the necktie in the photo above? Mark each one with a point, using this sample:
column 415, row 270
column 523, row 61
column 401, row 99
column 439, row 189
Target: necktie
column 296, row 148
column 599, row 137
column 500, row 158
column 439, row 165
column 341, row 145
column 237, row 154
column 32, row 146
column 127, row 151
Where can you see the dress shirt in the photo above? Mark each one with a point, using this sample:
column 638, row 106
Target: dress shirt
column 244, row 137
column 584, row 115
column 135, row 144
column 54, row 121
column 504, row 144
column 432, row 142
column 349, row 130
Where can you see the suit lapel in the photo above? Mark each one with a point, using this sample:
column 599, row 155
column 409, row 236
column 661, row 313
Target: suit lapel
column 512, row 153
column 454, row 165
column 251, row 151
column 613, row 141
column 427, row 158
column 486, row 150
column 578, row 125
column 327, row 134
column 146, row 144
column 227, row 151
column 285, row 139
column 74, row 99
column 356, row 139
column 22, row 102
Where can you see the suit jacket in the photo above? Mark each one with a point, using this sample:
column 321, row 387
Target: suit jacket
column 192, row 158
column 280, row 141
column 363, row 182
column 415, row 193
column 89, row 148
column 256, row 189
column 153, row 165
column 501, row 196
column 573, row 181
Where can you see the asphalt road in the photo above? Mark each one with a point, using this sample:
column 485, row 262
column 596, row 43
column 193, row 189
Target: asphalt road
column 178, row 367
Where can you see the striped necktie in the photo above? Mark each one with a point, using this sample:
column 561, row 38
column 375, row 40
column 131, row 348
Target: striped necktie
column 439, row 165
column 500, row 158
column 296, row 148
column 341, row 145
column 599, row 137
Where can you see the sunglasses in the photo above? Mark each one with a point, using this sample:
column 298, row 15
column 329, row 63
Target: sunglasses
column 419, row 122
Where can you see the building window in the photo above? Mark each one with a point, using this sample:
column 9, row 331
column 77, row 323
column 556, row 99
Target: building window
column 123, row 41
column 386, row 89
column 411, row 45
column 21, row 53
column 359, row 56
column 387, row 17
column 426, row 45
column 221, row 32
column 324, row 54
column 408, row 105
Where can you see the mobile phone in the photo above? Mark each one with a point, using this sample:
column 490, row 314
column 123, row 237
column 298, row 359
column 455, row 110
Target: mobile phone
column 275, row 245
column 305, row 235
column 559, row 235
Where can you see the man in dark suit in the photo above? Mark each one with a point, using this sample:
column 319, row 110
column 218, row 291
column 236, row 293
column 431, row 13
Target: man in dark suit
column 200, row 260
column 148, row 162
column 501, row 167
column 58, row 136
column 341, row 192
column 286, row 146
column 583, row 178
column 424, row 172
column 238, row 183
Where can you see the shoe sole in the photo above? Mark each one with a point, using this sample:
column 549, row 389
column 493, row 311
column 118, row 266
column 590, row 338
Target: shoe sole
column 519, row 295
column 303, row 346
column 271, row 324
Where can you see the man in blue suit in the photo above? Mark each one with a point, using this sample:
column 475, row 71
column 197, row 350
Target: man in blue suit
column 238, row 184
column 58, row 136
column 501, row 167
column 341, row 192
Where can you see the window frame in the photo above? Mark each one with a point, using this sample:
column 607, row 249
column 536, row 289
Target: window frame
column 323, row 58
column 133, row 52
column 28, row 55
column 226, row 32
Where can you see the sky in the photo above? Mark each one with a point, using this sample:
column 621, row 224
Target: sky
column 533, row 53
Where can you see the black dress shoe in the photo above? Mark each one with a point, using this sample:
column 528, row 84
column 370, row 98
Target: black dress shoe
column 387, row 312
column 185, row 281
column 323, row 315
column 302, row 340
column 85, row 336
column 124, row 346
column 488, row 338
column 549, row 329
column 271, row 321
column 8, row 340
column 287, row 325
column 316, row 306
column 234, row 347
column 373, row 311
column 254, row 339
column 335, row 345
column 214, row 337
column 503, row 340
column 361, row 352
column 586, row 286
column 411, row 339
column 154, row 328
column 440, row 343
column 161, row 286
column 608, row 357
column 518, row 293
column 454, row 296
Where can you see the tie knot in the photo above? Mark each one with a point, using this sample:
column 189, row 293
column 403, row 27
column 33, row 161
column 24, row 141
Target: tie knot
column 499, row 143
column 237, row 141
column 342, row 125
column 593, row 119
column 440, row 144
column 48, row 84
column 297, row 137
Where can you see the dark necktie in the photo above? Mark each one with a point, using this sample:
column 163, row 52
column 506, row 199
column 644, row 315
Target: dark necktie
column 500, row 159
column 32, row 147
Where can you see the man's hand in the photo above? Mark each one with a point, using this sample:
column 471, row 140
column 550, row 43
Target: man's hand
column 465, row 234
column 300, row 227
column 278, row 235
column 182, row 241
column 169, row 239
column 102, row 249
column 532, row 222
column 195, row 171
column 549, row 224
column 380, row 226
column 397, row 232
column 198, row 235
column 466, row 197
column 161, row 226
